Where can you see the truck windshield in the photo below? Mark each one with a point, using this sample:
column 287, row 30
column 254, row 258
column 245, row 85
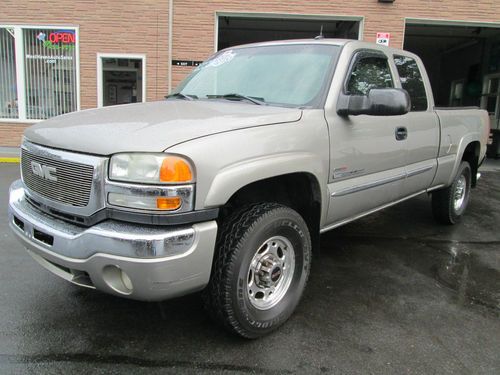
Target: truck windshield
column 294, row 75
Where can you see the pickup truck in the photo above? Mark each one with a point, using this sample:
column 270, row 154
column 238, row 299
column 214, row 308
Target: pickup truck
column 226, row 186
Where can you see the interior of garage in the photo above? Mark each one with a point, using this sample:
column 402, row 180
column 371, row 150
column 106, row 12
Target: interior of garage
column 463, row 63
column 235, row 30
column 458, row 59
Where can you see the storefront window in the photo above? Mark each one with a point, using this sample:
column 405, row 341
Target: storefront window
column 48, row 63
column 8, row 83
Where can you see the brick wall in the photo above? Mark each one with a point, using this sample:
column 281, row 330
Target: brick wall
column 105, row 26
column 108, row 26
column 11, row 134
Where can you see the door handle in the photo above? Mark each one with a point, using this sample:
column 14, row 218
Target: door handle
column 401, row 133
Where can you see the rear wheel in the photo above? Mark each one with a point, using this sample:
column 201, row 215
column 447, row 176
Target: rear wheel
column 449, row 204
column 260, row 269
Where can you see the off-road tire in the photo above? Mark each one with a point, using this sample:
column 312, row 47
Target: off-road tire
column 227, row 297
column 443, row 200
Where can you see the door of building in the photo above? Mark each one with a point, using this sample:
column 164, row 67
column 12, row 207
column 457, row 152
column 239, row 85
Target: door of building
column 120, row 79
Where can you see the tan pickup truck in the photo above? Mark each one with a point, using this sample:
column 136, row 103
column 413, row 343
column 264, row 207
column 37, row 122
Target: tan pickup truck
column 226, row 186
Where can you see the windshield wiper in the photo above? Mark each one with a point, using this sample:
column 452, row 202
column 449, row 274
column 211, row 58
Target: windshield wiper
column 180, row 95
column 234, row 96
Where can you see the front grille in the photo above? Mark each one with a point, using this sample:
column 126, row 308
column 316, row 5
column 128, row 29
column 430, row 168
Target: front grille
column 74, row 180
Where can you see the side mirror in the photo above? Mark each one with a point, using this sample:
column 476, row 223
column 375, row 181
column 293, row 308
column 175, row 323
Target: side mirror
column 378, row 102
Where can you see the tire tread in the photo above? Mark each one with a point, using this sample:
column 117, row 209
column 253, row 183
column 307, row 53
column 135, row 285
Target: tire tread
column 217, row 295
column 442, row 200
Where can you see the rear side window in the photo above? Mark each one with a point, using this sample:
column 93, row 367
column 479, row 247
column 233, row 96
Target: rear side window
column 411, row 81
column 369, row 73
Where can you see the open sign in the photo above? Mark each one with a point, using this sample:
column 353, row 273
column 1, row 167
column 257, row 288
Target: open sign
column 62, row 37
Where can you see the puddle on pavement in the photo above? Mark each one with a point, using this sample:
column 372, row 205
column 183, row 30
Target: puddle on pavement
column 469, row 268
column 473, row 280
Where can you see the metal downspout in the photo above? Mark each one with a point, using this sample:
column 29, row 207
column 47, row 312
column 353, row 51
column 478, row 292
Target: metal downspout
column 170, row 38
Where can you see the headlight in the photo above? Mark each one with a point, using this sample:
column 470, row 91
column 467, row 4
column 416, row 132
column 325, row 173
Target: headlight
column 153, row 182
column 150, row 169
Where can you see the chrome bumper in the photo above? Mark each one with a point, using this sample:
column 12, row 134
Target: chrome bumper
column 135, row 261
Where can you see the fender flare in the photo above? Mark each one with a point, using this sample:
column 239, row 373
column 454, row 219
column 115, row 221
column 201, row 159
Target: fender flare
column 232, row 178
column 462, row 145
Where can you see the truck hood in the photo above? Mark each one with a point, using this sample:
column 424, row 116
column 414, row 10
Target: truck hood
column 152, row 127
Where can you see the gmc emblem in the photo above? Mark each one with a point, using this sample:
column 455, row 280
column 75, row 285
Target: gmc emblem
column 43, row 171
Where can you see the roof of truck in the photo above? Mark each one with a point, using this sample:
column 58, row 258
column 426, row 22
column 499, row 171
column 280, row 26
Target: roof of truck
column 357, row 44
column 317, row 40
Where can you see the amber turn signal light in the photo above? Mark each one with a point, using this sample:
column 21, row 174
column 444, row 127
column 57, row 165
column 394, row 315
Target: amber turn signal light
column 169, row 203
column 174, row 169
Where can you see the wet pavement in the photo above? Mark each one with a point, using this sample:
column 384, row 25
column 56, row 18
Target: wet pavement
column 391, row 293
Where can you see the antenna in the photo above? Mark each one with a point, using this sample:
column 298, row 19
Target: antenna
column 320, row 36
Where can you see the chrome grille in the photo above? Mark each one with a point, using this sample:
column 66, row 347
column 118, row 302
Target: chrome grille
column 74, row 180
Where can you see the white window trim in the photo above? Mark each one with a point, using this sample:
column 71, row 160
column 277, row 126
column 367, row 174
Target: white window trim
column 101, row 56
column 20, row 68
column 291, row 16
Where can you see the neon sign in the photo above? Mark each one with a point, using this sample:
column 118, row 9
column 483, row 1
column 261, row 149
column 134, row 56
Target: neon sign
column 65, row 37
column 58, row 40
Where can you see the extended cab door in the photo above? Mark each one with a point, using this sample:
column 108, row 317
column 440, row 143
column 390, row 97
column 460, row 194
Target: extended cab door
column 367, row 156
column 421, row 123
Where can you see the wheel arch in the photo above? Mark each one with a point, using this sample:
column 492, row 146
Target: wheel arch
column 469, row 149
column 471, row 155
column 300, row 191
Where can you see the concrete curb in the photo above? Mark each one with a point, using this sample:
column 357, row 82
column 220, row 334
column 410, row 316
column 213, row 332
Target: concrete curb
column 9, row 154
column 9, row 160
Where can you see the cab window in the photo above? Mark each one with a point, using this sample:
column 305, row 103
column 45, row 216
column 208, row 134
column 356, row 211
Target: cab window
column 411, row 81
column 369, row 73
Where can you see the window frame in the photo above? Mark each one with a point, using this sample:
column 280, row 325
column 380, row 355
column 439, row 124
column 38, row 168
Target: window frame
column 20, row 58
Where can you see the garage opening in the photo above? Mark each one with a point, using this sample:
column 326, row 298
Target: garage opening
column 234, row 30
column 463, row 63
column 460, row 60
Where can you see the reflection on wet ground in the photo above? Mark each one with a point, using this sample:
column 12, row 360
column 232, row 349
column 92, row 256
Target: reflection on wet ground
column 474, row 275
column 473, row 279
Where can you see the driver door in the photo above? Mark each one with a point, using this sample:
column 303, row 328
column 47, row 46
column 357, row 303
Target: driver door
column 367, row 153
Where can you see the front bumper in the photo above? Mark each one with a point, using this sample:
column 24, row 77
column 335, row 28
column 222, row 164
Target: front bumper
column 130, row 260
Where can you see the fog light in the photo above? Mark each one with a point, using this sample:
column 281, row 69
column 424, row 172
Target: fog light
column 126, row 280
column 117, row 279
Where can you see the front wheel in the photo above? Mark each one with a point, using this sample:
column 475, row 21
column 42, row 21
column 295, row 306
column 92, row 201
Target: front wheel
column 449, row 204
column 260, row 269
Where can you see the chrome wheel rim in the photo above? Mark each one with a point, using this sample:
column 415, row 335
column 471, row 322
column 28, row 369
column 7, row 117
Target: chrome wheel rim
column 459, row 193
column 270, row 273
